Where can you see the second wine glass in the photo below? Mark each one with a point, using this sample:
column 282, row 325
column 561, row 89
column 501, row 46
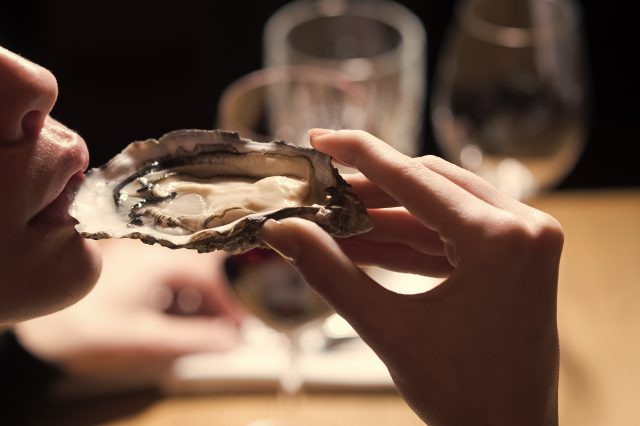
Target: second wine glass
column 509, row 97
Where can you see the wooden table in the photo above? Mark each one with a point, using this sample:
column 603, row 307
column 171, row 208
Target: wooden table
column 599, row 304
column 599, row 307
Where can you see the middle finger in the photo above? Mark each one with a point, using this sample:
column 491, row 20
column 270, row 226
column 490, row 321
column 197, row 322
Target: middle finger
column 398, row 225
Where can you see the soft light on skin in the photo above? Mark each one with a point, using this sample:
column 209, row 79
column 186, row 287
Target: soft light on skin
column 45, row 265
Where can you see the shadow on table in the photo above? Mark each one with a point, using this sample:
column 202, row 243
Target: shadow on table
column 91, row 411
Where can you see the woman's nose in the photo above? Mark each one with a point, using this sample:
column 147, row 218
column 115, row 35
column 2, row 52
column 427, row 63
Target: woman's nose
column 27, row 95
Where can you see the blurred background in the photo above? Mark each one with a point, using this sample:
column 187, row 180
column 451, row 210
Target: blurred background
column 133, row 70
column 138, row 69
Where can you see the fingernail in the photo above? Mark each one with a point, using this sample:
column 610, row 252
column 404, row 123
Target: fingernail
column 319, row 132
column 314, row 133
column 280, row 238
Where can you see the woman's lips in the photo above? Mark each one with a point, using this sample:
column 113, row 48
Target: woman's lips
column 63, row 158
column 57, row 212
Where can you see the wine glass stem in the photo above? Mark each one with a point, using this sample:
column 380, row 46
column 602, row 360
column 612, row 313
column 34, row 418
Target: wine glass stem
column 291, row 379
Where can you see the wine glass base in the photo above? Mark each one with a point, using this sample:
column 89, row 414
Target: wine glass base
column 289, row 421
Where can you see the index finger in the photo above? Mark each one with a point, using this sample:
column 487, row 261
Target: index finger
column 436, row 201
column 370, row 194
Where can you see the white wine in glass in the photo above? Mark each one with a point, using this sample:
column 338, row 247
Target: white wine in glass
column 509, row 96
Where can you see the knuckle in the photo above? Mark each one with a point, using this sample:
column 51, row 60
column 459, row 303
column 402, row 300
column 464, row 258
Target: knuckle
column 430, row 160
column 512, row 229
column 507, row 236
column 547, row 232
column 534, row 234
column 412, row 166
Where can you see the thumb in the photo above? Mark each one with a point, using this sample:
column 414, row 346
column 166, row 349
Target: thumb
column 323, row 265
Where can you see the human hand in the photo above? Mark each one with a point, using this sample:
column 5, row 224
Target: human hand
column 482, row 347
column 150, row 306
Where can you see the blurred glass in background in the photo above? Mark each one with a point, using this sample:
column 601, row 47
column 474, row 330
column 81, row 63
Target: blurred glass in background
column 510, row 92
column 284, row 102
column 379, row 44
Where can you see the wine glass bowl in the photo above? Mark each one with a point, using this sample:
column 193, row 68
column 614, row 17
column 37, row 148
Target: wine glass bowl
column 274, row 291
column 509, row 97
column 284, row 102
column 378, row 44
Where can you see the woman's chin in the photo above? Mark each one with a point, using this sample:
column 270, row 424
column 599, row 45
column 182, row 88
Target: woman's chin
column 76, row 282
column 59, row 280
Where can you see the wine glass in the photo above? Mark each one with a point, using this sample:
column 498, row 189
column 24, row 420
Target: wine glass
column 377, row 43
column 284, row 102
column 274, row 292
column 509, row 96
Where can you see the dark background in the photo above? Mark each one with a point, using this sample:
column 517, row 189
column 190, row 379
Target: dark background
column 137, row 69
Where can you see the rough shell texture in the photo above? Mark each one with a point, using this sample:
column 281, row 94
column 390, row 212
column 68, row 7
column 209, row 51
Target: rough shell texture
column 103, row 211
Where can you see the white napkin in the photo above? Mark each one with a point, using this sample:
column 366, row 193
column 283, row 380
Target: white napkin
column 258, row 362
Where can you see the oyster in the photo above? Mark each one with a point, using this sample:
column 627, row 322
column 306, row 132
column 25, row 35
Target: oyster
column 210, row 190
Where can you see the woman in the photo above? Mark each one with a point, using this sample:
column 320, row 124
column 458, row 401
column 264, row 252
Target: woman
column 116, row 336
column 46, row 265
column 482, row 348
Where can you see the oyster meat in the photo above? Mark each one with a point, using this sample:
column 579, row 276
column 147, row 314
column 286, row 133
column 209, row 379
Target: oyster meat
column 210, row 189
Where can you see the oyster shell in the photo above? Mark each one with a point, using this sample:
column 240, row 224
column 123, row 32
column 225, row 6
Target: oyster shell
column 210, row 190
